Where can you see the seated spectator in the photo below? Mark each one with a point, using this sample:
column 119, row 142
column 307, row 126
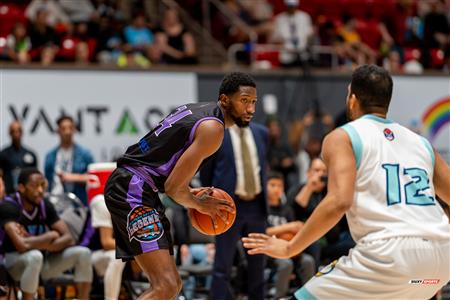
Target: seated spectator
column 109, row 40
column 55, row 14
column 140, row 38
column 260, row 17
column 18, row 44
column 76, row 44
column 280, row 156
column 104, row 260
column 37, row 242
column 280, row 222
column 304, row 199
column 293, row 29
column 78, row 11
column 351, row 48
column 66, row 165
column 436, row 30
column 44, row 40
column 175, row 44
column 15, row 156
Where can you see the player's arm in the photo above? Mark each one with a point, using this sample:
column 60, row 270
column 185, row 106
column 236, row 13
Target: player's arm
column 441, row 178
column 207, row 140
column 292, row 227
column 338, row 156
column 64, row 239
column 24, row 243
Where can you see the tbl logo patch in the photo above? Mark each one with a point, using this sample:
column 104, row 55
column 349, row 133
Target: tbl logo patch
column 144, row 225
column 388, row 134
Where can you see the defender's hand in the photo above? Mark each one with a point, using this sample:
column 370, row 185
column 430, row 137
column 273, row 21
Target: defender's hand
column 260, row 243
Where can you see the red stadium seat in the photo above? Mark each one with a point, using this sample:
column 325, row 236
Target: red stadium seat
column 437, row 58
column 370, row 34
column 10, row 15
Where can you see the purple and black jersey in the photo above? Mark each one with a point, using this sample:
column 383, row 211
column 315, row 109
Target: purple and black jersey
column 156, row 154
column 139, row 221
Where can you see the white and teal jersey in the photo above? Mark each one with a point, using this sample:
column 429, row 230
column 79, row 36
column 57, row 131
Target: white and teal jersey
column 394, row 193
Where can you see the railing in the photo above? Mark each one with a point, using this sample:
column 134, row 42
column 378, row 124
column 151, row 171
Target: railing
column 204, row 32
column 314, row 50
column 235, row 20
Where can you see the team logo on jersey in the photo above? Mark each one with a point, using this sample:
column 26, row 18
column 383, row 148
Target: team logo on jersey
column 388, row 134
column 144, row 225
column 327, row 269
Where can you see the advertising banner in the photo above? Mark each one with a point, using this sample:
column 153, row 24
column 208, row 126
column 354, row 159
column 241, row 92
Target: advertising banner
column 423, row 105
column 112, row 109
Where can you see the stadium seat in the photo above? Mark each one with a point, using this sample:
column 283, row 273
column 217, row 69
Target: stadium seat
column 10, row 15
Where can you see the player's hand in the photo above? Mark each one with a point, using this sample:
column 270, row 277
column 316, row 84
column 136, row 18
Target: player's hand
column 214, row 207
column 260, row 243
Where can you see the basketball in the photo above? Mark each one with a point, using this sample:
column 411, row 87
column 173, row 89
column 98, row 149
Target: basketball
column 204, row 223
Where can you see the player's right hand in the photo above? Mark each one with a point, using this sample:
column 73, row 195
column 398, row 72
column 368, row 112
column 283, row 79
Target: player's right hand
column 214, row 207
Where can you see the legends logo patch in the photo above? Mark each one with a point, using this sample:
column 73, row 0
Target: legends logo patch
column 143, row 224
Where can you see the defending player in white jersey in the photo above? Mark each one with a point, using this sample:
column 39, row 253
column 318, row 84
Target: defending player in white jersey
column 385, row 178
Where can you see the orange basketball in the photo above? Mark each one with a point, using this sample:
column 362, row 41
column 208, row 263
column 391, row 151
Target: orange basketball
column 204, row 223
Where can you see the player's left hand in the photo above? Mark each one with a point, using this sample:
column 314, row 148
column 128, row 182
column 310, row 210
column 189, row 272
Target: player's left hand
column 260, row 243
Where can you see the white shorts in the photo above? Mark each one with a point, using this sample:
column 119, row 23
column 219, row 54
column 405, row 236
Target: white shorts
column 395, row 268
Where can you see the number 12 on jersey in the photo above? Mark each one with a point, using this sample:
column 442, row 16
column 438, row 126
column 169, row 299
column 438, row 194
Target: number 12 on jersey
column 413, row 189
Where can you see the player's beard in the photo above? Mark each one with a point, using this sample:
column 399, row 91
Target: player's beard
column 237, row 120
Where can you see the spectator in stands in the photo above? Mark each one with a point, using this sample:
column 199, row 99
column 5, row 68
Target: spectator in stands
column 280, row 222
column 15, row 157
column 109, row 40
column 293, row 29
column 104, row 260
column 44, row 40
column 306, row 134
column 18, row 44
column 393, row 62
column 280, row 156
column 260, row 17
column 436, row 31
column 175, row 44
column 139, row 37
column 304, row 198
column 66, row 165
column 78, row 11
column 352, row 50
column 55, row 14
column 25, row 218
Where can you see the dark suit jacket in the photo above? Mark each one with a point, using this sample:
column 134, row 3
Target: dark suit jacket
column 220, row 170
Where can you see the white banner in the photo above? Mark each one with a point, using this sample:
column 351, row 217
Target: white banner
column 112, row 109
column 423, row 104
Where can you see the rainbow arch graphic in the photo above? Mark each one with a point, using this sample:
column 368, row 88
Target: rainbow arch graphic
column 436, row 116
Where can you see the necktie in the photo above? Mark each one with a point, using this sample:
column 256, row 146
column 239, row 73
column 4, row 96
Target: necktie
column 249, row 176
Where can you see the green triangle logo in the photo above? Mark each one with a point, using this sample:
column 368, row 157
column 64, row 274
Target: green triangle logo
column 127, row 125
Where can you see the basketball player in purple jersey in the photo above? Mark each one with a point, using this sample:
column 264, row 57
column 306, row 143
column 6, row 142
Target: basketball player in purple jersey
column 164, row 161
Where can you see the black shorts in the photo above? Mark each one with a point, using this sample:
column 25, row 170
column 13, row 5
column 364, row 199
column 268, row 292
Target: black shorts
column 137, row 214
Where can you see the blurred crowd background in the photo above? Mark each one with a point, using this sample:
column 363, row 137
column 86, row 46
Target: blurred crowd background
column 404, row 36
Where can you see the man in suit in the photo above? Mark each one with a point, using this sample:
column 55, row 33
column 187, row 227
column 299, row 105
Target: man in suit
column 238, row 167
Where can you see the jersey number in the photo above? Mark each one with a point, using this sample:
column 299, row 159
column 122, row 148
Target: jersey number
column 413, row 189
column 179, row 114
